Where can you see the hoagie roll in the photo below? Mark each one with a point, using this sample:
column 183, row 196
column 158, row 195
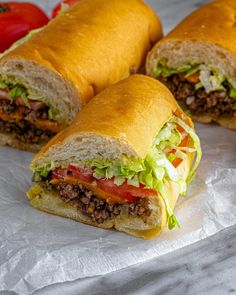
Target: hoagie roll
column 46, row 80
column 123, row 163
column 197, row 61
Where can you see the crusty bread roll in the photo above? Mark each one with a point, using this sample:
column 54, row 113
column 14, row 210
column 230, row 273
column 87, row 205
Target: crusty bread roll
column 82, row 51
column 207, row 37
column 126, row 124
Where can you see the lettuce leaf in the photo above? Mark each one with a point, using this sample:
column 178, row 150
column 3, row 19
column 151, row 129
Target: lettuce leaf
column 197, row 146
column 3, row 85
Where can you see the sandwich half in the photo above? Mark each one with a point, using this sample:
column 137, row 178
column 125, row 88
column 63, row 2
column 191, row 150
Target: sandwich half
column 48, row 78
column 197, row 61
column 123, row 163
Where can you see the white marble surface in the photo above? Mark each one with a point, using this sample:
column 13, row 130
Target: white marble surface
column 207, row 267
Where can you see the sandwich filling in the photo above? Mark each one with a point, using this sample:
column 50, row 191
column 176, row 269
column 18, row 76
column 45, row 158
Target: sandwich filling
column 25, row 115
column 104, row 189
column 199, row 89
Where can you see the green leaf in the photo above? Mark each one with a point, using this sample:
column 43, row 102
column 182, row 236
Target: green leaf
column 119, row 180
column 53, row 114
column 3, row 85
column 173, row 222
column 134, row 181
column 18, row 91
column 36, row 177
column 232, row 93
column 171, row 157
column 196, row 142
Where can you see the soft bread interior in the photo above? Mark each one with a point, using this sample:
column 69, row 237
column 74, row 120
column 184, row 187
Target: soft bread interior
column 48, row 85
column 85, row 147
column 49, row 201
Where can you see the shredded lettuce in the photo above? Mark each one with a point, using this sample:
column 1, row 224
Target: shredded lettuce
column 19, row 91
column 3, row 85
column 154, row 171
column 210, row 79
column 233, row 93
column 197, row 146
column 161, row 69
column 44, row 170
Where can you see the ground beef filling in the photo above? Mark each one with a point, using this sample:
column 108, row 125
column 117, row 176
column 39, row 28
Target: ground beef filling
column 8, row 107
column 26, row 132
column 97, row 209
column 216, row 103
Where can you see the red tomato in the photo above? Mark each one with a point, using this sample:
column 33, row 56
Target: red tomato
column 81, row 173
column 59, row 173
column 177, row 162
column 184, row 143
column 58, row 7
column 125, row 191
column 76, row 172
column 17, row 19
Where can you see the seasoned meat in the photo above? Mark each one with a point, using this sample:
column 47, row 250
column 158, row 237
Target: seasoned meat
column 198, row 101
column 99, row 210
column 8, row 107
column 26, row 132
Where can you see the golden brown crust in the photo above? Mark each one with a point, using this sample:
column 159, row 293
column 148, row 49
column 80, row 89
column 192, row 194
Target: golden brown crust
column 132, row 111
column 50, row 202
column 89, row 45
column 214, row 22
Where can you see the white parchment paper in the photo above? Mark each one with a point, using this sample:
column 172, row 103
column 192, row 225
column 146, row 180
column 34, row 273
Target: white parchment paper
column 37, row 249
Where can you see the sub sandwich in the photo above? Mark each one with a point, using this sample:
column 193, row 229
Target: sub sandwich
column 48, row 78
column 197, row 61
column 123, row 163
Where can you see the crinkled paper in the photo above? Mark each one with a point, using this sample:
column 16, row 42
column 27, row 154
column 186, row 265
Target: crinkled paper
column 37, row 249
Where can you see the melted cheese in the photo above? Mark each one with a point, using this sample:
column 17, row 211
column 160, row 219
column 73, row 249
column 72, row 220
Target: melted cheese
column 39, row 123
column 14, row 117
column 46, row 124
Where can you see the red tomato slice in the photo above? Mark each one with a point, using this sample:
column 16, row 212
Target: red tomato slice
column 180, row 129
column 59, row 173
column 184, row 143
column 81, row 173
column 125, row 191
column 76, row 172
column 177, row 162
